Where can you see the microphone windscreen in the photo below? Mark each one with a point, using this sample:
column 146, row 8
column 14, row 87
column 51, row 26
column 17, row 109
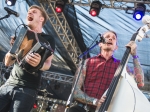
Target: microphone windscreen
column 146, row 19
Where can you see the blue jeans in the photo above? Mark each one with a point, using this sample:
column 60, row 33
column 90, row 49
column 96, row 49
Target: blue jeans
column 19, row 99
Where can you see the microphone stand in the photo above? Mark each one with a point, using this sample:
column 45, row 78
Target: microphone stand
column 70, row 99
column 7, row 16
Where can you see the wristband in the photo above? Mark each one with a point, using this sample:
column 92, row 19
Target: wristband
column 135, row 56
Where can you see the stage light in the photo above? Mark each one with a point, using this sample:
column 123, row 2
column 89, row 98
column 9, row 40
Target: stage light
column 59, row 6
column 35, row 105
column 95, row 8
column 10, row 2
column 139, row 11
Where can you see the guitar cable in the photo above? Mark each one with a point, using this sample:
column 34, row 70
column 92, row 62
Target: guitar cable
column 18, row 27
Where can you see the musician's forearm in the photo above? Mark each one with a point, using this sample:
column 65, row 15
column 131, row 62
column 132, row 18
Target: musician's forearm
column 7, row 64
column 9, row 59
column 45, row 66
column 82, row 97
column 47, row 63
column 139, row 75
column 79, row 95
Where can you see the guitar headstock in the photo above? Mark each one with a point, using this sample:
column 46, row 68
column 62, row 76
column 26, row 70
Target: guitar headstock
column 142, row 31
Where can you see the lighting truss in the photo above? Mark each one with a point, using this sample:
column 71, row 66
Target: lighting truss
column 47, row 75
column 63, row 78
column 113, row 4
column 62, row 29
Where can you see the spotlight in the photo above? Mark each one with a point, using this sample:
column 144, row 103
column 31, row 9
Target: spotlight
column 95, row 8
column 139, row 11
column 35, row 105
column 59, row 6
column 10, row 2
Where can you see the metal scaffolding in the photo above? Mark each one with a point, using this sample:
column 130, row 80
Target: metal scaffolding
column 63, row 78
column 47, row 75
column 113, row 4
column 62, row 29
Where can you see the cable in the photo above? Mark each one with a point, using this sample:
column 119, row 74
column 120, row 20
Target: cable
column 18, row 27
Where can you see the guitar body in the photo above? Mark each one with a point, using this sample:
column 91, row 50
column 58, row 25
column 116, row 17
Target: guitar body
column 127, row 97
column 123, row 94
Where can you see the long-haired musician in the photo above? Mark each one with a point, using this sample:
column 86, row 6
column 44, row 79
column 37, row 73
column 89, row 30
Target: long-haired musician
column 98, row 72
column 20, row 90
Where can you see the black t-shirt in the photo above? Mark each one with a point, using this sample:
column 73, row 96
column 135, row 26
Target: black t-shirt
column 20, row 77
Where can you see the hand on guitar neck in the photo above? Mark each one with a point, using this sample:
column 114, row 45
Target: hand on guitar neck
column 99, row 102
column 133, row 47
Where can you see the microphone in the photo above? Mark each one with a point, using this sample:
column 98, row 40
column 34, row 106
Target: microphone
column 144, row 29
column 103, row 40
column 10, row 11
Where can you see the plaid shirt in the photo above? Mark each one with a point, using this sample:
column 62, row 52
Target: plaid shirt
column 99, row 75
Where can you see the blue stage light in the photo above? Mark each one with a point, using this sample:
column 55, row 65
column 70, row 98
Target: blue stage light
column 139, row 11
column 138, row 15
